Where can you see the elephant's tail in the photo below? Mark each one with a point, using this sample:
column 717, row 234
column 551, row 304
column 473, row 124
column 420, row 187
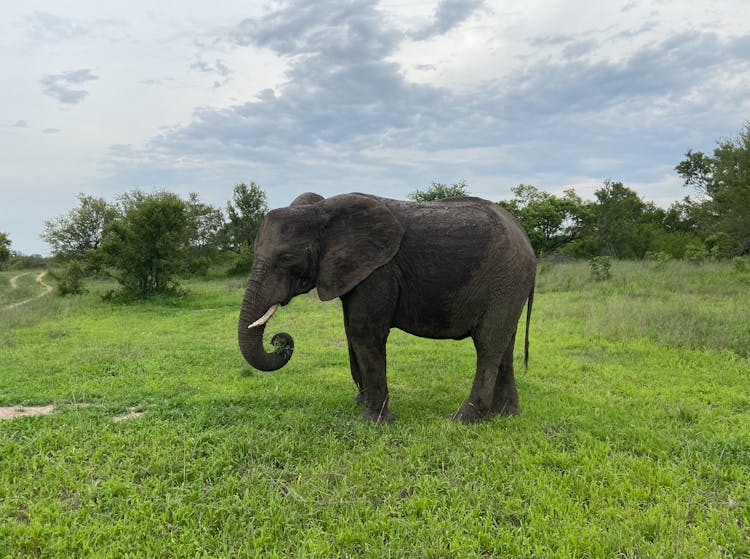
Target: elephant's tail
column 529, row 304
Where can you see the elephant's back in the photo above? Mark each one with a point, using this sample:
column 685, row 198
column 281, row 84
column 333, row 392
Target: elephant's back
column 464, row 220
column 456, row 254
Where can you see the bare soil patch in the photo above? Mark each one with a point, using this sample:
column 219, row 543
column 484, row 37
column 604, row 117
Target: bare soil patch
column 11, row 412
column 132, row 414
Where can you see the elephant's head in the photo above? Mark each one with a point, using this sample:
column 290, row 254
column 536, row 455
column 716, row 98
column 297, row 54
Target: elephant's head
column 332, row 244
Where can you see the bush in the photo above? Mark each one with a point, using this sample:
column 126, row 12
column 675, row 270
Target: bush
column 70, row 278
column 721, row 245
column 695, row 253
column 581, row 248
column 660, row 257
column 147, row 245
column 741, row 263
column 5, row 252
column 199, row 266
column 440, row 191
column 243, row 261
column 600, row 268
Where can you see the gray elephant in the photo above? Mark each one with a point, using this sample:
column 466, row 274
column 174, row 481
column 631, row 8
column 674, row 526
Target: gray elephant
column 447, row 269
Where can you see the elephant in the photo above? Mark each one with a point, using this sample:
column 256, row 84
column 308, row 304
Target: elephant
column 449, row 269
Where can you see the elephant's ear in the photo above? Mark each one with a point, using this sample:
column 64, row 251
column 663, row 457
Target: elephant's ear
column 361, row 234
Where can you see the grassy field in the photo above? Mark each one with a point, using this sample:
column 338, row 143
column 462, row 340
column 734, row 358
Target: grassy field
column 633, row 441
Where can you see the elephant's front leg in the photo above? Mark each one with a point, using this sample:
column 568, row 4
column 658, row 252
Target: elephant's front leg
column 354, row 367
column 370, row 354
column 368, row 310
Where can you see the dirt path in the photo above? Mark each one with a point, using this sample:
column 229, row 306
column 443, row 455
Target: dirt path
column 14, row 280
column 39, row 279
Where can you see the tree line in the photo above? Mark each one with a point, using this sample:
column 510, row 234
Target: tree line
column 618, row 223
column 147, row 241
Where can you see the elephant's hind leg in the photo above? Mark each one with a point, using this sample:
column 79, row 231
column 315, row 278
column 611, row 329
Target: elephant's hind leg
column 505, row 399
column 481, row 398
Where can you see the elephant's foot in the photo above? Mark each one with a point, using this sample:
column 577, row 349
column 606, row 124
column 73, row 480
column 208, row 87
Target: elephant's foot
column 380, row 415
column 469, row 413
column 506, row 407
column 359, row 399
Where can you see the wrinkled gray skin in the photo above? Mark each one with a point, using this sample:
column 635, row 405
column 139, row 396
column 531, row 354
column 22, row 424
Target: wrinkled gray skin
column 451, row 269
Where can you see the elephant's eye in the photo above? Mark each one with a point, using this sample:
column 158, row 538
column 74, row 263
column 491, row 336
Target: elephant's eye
column 287, row 259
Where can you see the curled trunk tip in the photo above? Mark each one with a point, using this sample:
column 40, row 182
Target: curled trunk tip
column 251, row 346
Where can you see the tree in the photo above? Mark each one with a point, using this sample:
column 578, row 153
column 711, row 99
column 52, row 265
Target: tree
column 618, row 211
column 5, row 252
column 147, row 245
column 245, row 212
column 79, row 233
column 723, row 184
column 439, row 191
column 619, row 224
column 550, row 221
column 206, row 223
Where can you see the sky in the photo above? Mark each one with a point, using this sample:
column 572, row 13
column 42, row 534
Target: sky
column 103, row 96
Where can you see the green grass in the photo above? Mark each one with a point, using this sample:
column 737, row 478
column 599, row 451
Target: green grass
column 634, row 437
column 677, row 303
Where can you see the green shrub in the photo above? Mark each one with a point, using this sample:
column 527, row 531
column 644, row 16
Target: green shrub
column 70, row 278
column 600, row 267
column 199, row 266
column 741, row 263
column 696, row 253
column 147, row 245
column 243, row 261
column 721, row 245
column 440, row 191
column 659, row 257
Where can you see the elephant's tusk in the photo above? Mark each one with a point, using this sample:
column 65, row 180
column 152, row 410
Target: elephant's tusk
column 263, row 319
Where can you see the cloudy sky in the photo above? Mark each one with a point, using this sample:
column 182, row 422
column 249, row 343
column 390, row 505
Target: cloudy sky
column 102, row 96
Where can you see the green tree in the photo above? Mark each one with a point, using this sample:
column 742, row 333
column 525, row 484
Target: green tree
column 722, row 181
column 438, row 191
column 79, row 233
column 618, row 210
column 550, row 221
column 678, row 229
column 206, row 224
column 245, row 211
column 619, row 224
column 147, row 245
column 5, row 252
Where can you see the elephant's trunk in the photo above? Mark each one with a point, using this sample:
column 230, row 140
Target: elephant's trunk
column 251, row 339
